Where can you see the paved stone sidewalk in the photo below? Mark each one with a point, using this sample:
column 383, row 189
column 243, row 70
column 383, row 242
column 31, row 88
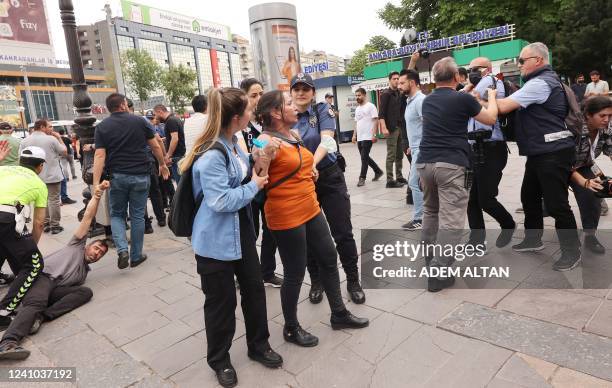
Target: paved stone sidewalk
column 145, row 328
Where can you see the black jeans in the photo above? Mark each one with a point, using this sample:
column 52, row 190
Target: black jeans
column 155, row 195
column 312, row 237
column 268, row 245
column 47, row 299
column 218, row 286
column 484, row 191
column 335, row 201
column 588, row 204
column 547, row 176
column 167, row 190
column 364, row 148
column 25, row 261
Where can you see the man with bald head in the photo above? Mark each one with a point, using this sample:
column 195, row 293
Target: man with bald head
column 484, row 191
column 541, row 106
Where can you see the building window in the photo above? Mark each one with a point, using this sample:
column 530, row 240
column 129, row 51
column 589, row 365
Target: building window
column 205, row 73
column 125, row 43
column 44, row 102
column 124, row 29
column 183, row 55
column 151, row 33
column 157, row 51
column 220, row 46
column 182, row 39
column 236, row 74
column 204, row 43
column 224, row 69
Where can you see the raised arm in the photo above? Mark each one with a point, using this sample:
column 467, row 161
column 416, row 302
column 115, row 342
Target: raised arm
column 90, row 210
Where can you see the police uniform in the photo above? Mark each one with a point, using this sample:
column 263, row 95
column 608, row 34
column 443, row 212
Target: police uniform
column 331, row 189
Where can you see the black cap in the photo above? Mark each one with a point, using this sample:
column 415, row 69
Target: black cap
column 5, row 126
column 302, row 78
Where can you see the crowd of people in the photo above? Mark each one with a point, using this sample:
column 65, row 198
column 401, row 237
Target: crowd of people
column 268, row 162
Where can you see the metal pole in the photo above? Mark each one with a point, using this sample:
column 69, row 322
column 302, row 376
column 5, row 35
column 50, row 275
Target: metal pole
column 28, row 92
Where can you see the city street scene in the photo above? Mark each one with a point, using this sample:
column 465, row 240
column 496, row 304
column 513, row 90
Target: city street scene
column 300, row 194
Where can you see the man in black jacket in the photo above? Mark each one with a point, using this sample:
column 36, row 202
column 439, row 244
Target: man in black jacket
column 390, row 118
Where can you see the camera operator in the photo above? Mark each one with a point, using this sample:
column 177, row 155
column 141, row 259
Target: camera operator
column 487, row 173
column 587, row 178
column 444, row 160
column 542, row 136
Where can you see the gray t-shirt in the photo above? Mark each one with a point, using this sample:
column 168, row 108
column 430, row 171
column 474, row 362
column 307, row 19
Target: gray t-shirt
column 67, row 266
column 52, row 170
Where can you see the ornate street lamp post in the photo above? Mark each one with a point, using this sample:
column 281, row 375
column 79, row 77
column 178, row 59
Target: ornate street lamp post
column 81, row 101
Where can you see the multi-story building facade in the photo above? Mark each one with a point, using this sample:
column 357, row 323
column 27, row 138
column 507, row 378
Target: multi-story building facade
column 247, row 69
column 320, row 64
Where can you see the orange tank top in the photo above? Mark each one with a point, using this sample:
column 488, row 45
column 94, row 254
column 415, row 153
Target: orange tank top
column 293, row 202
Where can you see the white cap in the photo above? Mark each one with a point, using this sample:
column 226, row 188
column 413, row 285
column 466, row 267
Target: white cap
column 33, row 152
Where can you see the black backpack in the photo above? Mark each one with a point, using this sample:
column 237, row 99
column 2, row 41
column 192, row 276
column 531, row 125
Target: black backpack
column 507, row 121
column 184, row 206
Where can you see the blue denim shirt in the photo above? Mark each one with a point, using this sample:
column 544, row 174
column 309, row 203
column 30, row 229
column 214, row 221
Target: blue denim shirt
column 216, row 228
column 414, row 119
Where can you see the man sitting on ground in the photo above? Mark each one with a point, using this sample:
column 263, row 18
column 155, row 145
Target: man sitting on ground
column 58, row 289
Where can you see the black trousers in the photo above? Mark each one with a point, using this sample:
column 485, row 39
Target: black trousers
column 547, row 176
column 167, row 191
column 364, row 148
column 47, row 299
column 218, row 286
column 588, row 204
column 336, row 204
column 485, row 188
column 25, row 261
column 312, row 237
column 268, row 245
column 155, row 195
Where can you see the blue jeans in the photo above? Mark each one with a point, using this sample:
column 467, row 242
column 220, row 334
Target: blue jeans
column 413, row 182
column 174, row 170
column 133, row 190
column 64, row 189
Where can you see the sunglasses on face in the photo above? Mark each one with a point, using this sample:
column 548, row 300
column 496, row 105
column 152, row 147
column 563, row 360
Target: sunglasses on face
column 476, row 68
column 523, row 60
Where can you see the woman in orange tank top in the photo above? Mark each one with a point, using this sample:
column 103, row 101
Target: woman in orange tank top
column 295, row 218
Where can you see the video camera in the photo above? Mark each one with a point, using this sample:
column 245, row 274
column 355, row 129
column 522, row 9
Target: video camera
column 479, row 137
column 424, row 53
column 606, row 192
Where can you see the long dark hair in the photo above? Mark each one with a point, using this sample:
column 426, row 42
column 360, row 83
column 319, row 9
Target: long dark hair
column 247, row 83
column 268, row 102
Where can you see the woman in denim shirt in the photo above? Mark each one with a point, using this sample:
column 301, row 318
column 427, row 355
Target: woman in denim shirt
column 224, row 238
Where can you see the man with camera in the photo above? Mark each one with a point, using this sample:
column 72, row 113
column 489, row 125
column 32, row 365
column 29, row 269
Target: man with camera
column 443, row 161
column 494, row 154
column 542, row 136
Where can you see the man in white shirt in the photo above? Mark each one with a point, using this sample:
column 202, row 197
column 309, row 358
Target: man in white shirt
column 597, row 87
column 194, row 125
column 366, row 117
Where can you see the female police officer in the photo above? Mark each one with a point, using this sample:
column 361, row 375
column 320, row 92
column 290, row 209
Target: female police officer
column 317, row 127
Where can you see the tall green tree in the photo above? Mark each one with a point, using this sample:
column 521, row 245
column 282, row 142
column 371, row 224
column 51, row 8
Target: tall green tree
column 141, row 74
column 568, row 27
column 360, row 57
column 179, row 84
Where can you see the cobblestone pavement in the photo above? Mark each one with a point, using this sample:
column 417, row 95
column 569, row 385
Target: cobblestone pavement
column 145, row 327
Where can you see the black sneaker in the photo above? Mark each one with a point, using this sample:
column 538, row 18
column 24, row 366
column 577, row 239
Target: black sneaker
column 403, row 181
column 434, row 284
column 347, row 320
column 377, row 176
column 46, row 229
column 355, row 292
column 413, row 225
column 361, row 182
column 57, row 229
column 123, row 261
column 162, row 222
column 6, row 279
column 316, row 293
column 529, row 246
column 273, row 281
column 148, row 229
column 227, row 377
column 393, row 185
column 504, row 238
column 269, row 358
column 300, row 337
column 134, row 264
column 569, row 260
column 592, row 244
column 68, row 201
column 12, row 351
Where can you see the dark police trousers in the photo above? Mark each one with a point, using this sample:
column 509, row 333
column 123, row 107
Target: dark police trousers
column 24, row 258
column 218, row 286
column 47, row 299
column 155, row 195
column 588, row 204
column 484, row 191
column 268, row 245
column 334, row 199
column 547, row 176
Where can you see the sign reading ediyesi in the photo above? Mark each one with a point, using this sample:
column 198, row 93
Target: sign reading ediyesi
column 316, row 68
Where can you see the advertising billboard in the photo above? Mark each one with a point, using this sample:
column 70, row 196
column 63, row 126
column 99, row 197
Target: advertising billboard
column 24, row 33
column 9, row 107
column 144, row 14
